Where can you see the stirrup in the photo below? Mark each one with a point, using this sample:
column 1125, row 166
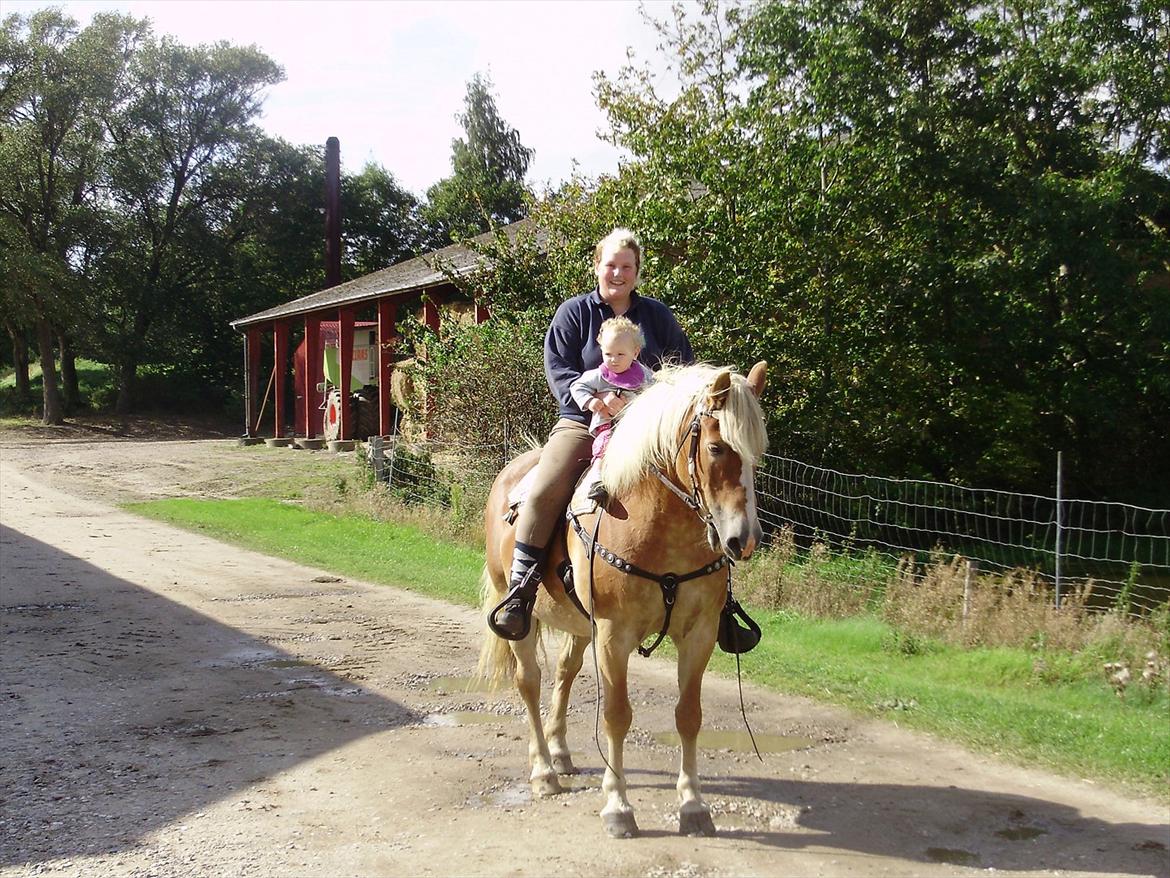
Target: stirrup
column 734, row 637
column 523, row 594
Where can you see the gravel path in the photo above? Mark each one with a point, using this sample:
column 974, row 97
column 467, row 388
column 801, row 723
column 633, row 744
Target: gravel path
column 170, row 705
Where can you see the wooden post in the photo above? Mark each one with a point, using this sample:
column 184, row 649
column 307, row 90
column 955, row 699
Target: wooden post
column 313, row 376
column 332, row 212
column 345, row 355
column 387, row 336
column 481, row 313
column 280, row 371
column 251, row 380
column 968, row 579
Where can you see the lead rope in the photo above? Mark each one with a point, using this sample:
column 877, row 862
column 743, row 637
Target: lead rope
column 739, row 682
column 593, row 644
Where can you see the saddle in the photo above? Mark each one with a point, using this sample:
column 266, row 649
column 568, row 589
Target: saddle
column 579, row 503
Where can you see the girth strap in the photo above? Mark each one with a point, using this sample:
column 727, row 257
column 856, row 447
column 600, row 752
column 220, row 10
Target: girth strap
column 667, row 582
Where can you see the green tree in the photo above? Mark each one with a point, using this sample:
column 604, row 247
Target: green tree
column 942, row 223
column 181, row 164
column 57, row 83
column 488, row 165
column 382, row 223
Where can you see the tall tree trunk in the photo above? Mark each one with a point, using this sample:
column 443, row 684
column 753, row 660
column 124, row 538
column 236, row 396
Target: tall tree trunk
column 19, row 361
column 53, row 413
column 71, row 392
column 127, row 385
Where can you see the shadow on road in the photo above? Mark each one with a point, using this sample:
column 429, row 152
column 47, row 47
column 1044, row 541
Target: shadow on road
column 122, row 711
column 951, row 825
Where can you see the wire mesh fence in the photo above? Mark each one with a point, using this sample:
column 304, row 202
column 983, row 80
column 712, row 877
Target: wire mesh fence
column 1117, row 554
column 1122, row 550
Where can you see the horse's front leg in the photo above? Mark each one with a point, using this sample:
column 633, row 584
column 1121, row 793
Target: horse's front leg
column 542, row 778
column 555, row 726
column 694, row 651
column 617, row 815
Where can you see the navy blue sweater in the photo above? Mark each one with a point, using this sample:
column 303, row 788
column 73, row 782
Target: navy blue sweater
column 571, row 348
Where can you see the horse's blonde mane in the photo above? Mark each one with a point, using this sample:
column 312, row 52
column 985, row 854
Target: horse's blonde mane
column 647, row 433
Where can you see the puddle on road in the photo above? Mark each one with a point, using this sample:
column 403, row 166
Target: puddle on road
column 239, row 658
column 575, row 783
column 41, row 608
column 459, row 685
column 1021, row 833
column 464, row 718
column 739, row 742
column 952, row 856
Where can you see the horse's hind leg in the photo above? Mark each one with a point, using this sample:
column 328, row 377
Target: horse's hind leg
column 555, row 727
column 543, row 778
column 694, row 817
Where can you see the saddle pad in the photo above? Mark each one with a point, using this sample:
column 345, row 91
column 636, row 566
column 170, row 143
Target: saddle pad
column 579, row 503
column 521, row 489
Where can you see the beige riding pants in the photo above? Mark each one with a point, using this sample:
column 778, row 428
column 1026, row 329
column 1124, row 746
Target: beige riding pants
column 565, row 456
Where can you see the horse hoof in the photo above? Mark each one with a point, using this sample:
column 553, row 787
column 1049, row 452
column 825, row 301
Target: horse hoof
column 696, row 822
column 546, row 785
column 620, row 824
column 564, row 764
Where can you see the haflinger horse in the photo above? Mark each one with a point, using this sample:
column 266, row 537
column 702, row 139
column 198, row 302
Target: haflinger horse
column 679, row 471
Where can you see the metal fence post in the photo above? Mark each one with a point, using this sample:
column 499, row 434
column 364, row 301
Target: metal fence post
column 1059, row 533
column 394, row 440
column 379, row 456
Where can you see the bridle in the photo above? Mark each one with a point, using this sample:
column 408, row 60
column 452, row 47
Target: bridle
column 694, row 500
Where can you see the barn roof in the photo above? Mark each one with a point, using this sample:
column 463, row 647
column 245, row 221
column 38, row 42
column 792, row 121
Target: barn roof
column 409, row 276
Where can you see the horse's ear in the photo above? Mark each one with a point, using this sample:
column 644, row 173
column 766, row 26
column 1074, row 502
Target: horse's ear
column 756, row 378
column 717, row 392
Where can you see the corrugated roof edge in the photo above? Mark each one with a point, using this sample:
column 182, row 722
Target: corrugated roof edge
column 407, row 276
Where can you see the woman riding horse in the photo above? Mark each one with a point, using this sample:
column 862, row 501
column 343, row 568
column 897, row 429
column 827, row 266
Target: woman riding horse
column 570, row 349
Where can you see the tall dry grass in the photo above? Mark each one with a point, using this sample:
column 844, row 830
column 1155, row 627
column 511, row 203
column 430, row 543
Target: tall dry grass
column 950, row 600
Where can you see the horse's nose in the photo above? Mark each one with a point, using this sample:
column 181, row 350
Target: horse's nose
column 734, row 548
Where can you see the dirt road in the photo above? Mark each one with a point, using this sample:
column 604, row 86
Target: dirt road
column 174, row 706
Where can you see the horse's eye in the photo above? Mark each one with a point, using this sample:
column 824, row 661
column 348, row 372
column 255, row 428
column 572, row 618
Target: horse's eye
column 715, row 448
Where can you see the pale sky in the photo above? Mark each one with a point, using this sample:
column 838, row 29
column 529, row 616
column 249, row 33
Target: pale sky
column 386, row 77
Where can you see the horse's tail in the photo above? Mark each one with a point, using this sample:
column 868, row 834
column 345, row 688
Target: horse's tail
column 497, row 664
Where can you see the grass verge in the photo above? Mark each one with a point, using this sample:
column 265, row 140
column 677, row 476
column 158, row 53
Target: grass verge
column 999, row 700
column 994, row 699
column 361, row 548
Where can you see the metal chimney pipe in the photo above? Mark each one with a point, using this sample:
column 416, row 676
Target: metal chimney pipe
column 332, row 212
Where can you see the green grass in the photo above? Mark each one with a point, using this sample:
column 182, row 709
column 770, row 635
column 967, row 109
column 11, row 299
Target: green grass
column 361, row 548
column 993, row 699
column 996, row 700
column 93, row 379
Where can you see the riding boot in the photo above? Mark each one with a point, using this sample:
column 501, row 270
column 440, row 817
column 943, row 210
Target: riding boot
column 512, row 617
